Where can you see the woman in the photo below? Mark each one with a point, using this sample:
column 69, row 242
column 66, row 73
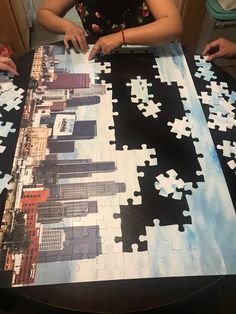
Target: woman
column 117, row 22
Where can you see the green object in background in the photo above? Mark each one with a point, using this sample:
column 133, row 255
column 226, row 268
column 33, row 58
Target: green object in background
column 218, row 12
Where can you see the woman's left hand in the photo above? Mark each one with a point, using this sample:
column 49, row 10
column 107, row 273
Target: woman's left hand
column 106, row 44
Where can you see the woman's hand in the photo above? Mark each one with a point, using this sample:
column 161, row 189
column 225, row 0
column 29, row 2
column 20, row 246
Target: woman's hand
column 222, row 48
column 6, row 64
column 76, row 35
column 106, row 44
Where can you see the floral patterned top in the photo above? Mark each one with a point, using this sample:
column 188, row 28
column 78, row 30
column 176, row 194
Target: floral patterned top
column 102, row 17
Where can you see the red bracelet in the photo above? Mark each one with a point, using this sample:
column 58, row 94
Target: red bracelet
column 123, row 37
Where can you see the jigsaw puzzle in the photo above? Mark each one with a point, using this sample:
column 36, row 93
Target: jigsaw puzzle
column 122, row 169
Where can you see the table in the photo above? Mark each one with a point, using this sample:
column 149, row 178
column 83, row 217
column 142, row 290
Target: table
column 118, row 295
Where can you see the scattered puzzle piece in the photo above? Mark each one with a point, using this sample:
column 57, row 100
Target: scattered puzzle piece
column 150, row 109
column 221, row 122
column 181, row 127
column 2, row 148
column 6, row 129
column 139, row 90
column 11, row 98
column 229, row 148
column 4, row 182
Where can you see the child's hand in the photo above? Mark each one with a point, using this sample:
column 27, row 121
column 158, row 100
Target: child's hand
column 6, row 64
column 220, row 48
column 106, row 44
column 76, row 35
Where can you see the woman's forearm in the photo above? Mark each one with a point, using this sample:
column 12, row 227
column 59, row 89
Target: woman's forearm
column 158, row 32
column 52, row 22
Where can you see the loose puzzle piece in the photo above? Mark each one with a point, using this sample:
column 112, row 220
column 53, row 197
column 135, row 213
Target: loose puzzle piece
column 11, row 98
column 2, row 148
column 150, row 109
column 232, row 97
column 139, row 90
column 181, row 127
column 168, row 184
column 205, row 74
column 232, row 165
column 217, row 103
column 219, row 89
column 229, row 148
column 204, row 71
column 220, row 122
column 4, row 182
column 6, row 129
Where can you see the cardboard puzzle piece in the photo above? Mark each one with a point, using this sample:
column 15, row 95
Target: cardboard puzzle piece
column 4, row 182
column 102, row 67
column 6, row 129
column 6, row 81
column 232, row 165
column 150, row 109
column 167, row 184
column 181, row 127
column 217, row 103
column 139, row 90
column 228, row 148
column 202, row 61
column 219, row 89
column 11, row 98
column 204, row 69
column 221, row 122
column 2, row 148
column 232, row 97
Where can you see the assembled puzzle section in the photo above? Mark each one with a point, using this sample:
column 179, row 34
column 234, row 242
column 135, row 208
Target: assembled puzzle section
column 115, row 169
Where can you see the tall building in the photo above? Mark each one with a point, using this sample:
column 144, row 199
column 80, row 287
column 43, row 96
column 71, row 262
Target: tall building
column 92, row 90
column 82, row 130
column 78, row 191
column 83, row 101
column 51, row 171
column 70, row 243
column 69, row 81
column 54, row 212
column 60, row 147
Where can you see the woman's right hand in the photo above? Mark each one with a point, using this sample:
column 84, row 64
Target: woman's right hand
column 76, row 35
column 6, row 64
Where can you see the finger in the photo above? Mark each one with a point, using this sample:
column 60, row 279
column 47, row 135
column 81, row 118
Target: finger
column 212, row 46
column 93, row 52
column 83, row 42
column 7, row 67
column 215, row 55
column 11, row 63
column 66, row 43
column 75, row 44
column 208, row 49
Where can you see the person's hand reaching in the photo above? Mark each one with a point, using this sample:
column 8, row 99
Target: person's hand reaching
column 220, row 48
column 76, row 35
column 106, row 44
column 6, row 64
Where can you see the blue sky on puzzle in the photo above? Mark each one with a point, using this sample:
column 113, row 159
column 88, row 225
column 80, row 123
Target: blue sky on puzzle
column 207, row 247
